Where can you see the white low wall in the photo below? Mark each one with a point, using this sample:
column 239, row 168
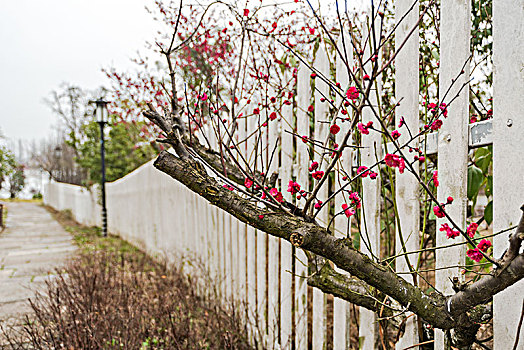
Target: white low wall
column 146, row 208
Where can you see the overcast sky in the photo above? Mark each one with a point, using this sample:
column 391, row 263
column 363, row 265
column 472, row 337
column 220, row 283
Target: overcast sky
column 45, row 43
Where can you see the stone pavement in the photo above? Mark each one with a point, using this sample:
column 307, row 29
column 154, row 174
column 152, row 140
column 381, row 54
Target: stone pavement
column 31, row 247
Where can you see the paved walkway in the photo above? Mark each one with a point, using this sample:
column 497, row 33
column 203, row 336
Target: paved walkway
column 31, row 247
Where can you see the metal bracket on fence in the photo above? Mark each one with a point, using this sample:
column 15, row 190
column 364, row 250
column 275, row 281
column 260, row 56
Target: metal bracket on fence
column 480, row 135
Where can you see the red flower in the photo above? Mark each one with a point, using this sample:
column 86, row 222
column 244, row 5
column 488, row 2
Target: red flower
column 472, row 229
column 318, row 205
column 318, row 174
column 352, row 93
column 274, row 25
column 450, row 233
column 313, row 166
column 273, row 99
column 437, row 124
column 313, row 75
column 395, row 161
column 311, row 108
column 246, row 12
column 449, row 200
column 248, row 182
column 435, row 178
column 273, row 116
column 364, row 129
column 347, row 210
column 228, row 187
column 276, row 194
column 401, row 122
column 334, row 129
column 439, row 213
column 261, row 217
column 305, row 139
column 484, row 245
column 362, row 171
column 256, row 111
column 293, row 187
column 395, row 134
column 365, row 77
column 474, row 254
column 355, row 199
column 373, row 175
column 311, row 31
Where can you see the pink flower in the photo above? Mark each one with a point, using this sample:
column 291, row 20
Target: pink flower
column 318, row 205
column 373, row 175
column 362, row 171
column 204, row 97
column 248, row 182
column 347, row 210
column 261, row 217
column 439, row 213
column 450, row 233
column 484, row 245
column 355, row 199
column 352, row 93
column 474, row 254
column 276, row 194
column 334, row 129
column 313, row 166
column 437, row 124
column 293, row 187
column 395, row 134
column 395, row 161
column 362, row 128
column 435, row 178
column 228, row 187
column 318, row 174
column 401, row 122
column 472, row 229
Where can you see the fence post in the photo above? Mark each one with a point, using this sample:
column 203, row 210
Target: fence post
column 370, row 214
column 508, row 144
column 453, row 139
column 301, row 263
column 406, row 185
column 321, row 134
column 341, row 314
column 287, row 125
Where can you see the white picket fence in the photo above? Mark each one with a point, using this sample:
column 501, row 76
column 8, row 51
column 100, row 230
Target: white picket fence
column 268, row 275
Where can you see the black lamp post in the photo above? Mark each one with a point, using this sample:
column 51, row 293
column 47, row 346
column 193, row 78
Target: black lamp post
column 101, row 119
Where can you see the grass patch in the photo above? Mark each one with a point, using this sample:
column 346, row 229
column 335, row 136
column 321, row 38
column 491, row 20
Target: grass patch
column 114, row 296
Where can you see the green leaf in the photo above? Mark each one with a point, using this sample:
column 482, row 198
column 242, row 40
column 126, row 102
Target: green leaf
column 489, row 186
column 475, row 178
column 488, row 213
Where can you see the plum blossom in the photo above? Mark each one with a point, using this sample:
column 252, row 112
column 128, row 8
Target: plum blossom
column 347, row 210
column 474, row 254
column 293, row 187
column 395, row 161
column 472, row 229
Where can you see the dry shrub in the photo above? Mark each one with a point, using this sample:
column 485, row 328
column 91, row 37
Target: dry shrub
column 104, row 300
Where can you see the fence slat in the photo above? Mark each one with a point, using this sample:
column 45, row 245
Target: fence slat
column 287, row 123
column 321, row 133
column 406, row 185
column 508, row 144
column 273, row 263
column 453, row 139
column 302, row 175
column 342, row 223
column 370, row 218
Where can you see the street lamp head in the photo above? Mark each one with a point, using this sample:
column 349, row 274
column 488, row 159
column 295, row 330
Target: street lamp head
column 101, row 110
